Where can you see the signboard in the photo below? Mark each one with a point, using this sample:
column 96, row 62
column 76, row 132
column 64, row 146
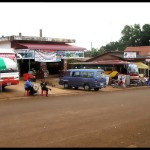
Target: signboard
column 25, row 53
column 70, row 54
column 45, row 56
column 129, row 54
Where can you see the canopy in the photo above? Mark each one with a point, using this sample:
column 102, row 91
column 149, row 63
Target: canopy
column 7, row 63
column 141, row 65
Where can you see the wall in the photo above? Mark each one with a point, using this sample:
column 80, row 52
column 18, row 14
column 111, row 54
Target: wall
column 5, row 44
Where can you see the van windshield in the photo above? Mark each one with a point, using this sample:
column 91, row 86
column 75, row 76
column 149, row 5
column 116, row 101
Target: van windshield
column 100, row 74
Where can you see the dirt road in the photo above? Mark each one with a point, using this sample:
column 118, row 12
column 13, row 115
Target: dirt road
column 102, row 119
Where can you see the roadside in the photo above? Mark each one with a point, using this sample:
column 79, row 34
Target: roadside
column 17, row 91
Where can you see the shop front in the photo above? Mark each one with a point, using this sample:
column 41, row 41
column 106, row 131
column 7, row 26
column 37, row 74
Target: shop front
column 45, row 58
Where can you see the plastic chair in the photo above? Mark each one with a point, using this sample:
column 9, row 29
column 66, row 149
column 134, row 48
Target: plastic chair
column 26, row 93
column 43, row 92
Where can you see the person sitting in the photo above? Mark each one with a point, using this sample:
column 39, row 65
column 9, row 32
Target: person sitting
column 44, row 87
column 148, row 82
column 145, row 80
column 28, row 86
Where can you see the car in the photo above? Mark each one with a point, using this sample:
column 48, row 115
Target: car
column 84, row 78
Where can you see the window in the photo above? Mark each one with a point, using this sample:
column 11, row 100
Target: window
column 84, row 74
column 100, row 74
column 88, row 74
column 76, row 74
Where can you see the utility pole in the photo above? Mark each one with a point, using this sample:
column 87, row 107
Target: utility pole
column 91, row 46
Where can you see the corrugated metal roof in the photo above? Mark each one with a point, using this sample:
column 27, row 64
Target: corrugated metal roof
column 143, row 50
column 48, row 46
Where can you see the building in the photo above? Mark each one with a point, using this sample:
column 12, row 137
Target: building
column 42, row 52
column 114, row 60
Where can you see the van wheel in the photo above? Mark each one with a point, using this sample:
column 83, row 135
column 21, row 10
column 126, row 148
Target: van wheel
column 96, row 89
column 66, row 86
column 87, row 87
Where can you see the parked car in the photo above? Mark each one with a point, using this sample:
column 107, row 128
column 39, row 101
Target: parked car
column 84, row 78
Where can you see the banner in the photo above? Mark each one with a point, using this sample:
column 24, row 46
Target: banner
column 42, row 56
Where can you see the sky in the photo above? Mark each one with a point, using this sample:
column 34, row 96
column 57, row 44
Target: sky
column 90, row 24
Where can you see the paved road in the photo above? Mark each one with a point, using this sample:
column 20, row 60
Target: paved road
column 102, row 119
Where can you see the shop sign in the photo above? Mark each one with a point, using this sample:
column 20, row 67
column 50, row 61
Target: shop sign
column 25, row 53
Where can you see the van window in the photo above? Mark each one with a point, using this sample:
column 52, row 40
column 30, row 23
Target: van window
column 76, row 74
column 100, row 74
column 87, row 74
column 84, row 74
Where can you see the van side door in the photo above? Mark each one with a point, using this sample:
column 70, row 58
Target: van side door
column 76, row 79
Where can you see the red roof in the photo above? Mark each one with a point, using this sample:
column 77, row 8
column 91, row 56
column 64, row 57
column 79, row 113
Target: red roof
column 50, row 47
column 143, row 50
column 111, row 62
column 105, row 62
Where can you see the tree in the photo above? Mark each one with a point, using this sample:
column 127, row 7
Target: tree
column 145, row 38
column 132, row 35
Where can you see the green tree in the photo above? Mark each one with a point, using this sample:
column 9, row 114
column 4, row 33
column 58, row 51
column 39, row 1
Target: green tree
column 132, row 35
column 145, row 38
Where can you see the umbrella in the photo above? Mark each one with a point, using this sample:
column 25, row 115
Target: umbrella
column 7, row 63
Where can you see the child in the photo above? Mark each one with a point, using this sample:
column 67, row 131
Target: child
column 44, row 87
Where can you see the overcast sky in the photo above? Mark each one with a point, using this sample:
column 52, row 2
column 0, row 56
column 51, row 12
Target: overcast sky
column 99, row 23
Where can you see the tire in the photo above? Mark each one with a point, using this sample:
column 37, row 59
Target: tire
column 87, row 87
column 66, row 86
column 76, row 88
column 96, row 89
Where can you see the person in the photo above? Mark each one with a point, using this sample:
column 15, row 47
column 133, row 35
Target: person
column 28, row 86
column 140, row 81
column 46, row 73
column 34, row 74
column 145, row 80
column 148, row 82
column 44, row 87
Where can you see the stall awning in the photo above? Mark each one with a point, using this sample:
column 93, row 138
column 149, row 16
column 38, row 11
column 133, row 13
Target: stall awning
column 48, row 47
column 141, row 65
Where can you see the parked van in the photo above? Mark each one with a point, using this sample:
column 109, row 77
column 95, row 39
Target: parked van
column 85, row 78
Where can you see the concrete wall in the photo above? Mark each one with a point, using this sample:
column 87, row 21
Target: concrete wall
column 5, row 44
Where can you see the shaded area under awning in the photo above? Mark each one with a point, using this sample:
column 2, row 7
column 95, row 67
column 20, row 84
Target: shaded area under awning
column 47, row 47
column 141, row 65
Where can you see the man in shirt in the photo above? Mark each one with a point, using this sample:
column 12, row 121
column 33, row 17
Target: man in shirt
column 28, row 86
